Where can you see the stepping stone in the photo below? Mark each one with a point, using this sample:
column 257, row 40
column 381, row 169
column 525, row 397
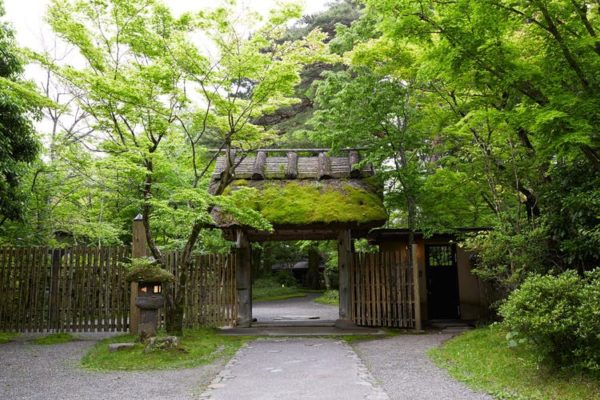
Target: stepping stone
column 120, row 346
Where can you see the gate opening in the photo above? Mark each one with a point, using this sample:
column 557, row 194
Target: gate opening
column 295, row 283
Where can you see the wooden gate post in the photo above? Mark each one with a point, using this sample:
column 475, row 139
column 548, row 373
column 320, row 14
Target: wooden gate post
column 54, row 298
column 243, row 280
column 138, row 250
column 416, row 288
column 344, row 256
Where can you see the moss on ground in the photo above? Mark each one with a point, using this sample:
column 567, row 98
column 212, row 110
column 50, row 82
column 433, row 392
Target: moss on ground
column 55, row 338
column 306, row 202
column 6, row 337
column 482, row 359
column 145, row 270
column 198, row 347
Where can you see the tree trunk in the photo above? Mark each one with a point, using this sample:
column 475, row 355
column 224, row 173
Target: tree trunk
column 313, row 278
column 175, row 309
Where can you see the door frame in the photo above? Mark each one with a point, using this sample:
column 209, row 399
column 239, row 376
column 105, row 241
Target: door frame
column 430, row 312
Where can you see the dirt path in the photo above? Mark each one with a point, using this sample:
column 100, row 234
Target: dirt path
column 29, row 371
column 270, row 369
column 294, row 310
column 405, row 371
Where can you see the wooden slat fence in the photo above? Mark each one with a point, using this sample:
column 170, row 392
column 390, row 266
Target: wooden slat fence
column 81, row 289
column 381, row 290
column 73, row 289
column 211, row 297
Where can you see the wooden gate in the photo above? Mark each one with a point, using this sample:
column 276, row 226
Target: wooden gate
column 72, row 289
column 382, row 290
column 210, row 292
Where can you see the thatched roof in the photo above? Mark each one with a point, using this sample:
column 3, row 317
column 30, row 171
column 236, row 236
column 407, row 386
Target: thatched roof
column 301, row 189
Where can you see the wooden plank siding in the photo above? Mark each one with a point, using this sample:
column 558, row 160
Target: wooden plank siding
column 382, row 290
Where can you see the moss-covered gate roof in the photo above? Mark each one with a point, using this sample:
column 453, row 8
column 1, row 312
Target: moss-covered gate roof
column 297, row 190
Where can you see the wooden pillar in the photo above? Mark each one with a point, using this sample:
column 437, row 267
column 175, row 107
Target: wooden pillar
column 324, row 167
column 416, row 288
column 139, row 249
column 291, row 170
column 354, row 160
column 243, row 280
column 258, row 170
column 344, row 249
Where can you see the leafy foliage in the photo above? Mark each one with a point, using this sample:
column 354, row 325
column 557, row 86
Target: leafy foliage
column 486, row 120
column 19, row 105
column 331, row 297
column 560, row 315
column 147, row 270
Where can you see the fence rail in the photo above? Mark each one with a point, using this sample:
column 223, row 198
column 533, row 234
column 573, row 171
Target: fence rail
column 381, row 290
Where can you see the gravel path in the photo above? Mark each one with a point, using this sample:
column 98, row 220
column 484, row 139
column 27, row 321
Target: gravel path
column 295, row 309
column 402, row 367
column 29, row 371
column 295, row 369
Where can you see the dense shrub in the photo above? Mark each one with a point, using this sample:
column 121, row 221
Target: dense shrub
column 560, row 315
column 505, row 258
column 286, row 278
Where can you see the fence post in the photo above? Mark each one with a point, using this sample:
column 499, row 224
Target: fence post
column 344, row 259
column 416, row 288
column 243, row 280
column 53, row 311
column 138, row 250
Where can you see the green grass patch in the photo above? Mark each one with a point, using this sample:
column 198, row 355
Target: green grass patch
column 269, row 289
column 270, row 296
column 387, row 333
column 55, row 338
column 331, row 297
column 482, row 359
column 6, row 337
column 275, row 292
column 201, row 346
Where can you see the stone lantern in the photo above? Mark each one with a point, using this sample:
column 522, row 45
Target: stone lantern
column 149, row 297
column 149, row 301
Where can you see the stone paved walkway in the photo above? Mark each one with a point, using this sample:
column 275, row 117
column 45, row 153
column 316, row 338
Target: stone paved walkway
column 295, row 369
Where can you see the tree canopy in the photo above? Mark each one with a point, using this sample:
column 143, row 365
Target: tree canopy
column 19, row 105
column 499, row 111
column 473, row 113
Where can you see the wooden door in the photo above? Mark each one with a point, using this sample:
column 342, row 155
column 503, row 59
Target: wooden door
column 442, row 282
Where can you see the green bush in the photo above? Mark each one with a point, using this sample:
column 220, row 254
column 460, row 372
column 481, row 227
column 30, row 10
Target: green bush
column 331, row 297
column 560, row 315
column 285, row 278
